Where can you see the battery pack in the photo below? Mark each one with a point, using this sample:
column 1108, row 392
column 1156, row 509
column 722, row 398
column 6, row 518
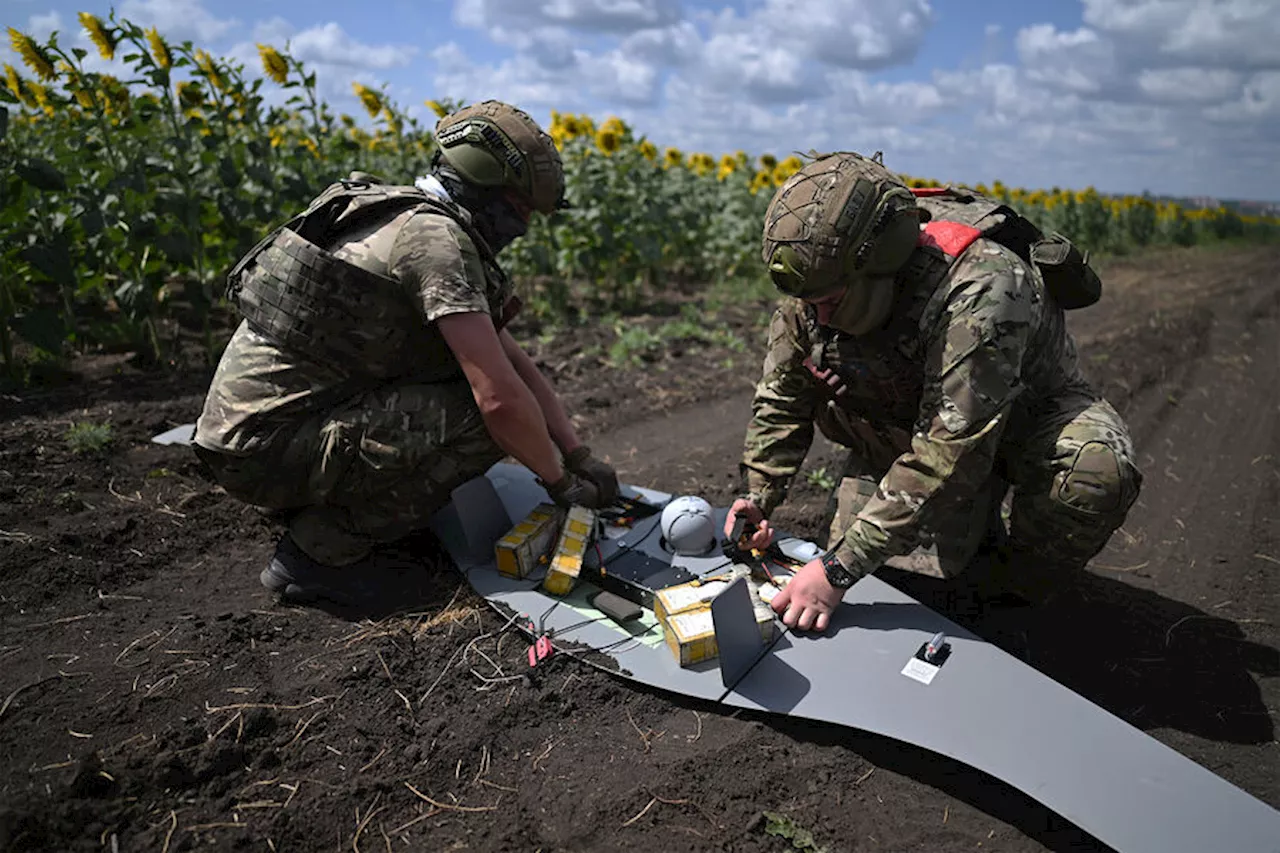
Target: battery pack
column 576, row 535
column 525, row 545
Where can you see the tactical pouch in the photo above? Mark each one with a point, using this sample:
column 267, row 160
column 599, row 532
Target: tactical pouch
column 1066, row 272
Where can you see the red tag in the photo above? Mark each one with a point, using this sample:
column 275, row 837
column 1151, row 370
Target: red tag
column 540, row 650
column 951, row 237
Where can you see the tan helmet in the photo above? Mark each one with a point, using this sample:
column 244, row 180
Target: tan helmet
column 842, row 221
column 492, row 144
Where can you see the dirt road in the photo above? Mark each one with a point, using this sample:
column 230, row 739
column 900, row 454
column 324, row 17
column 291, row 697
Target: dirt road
column 152, row 696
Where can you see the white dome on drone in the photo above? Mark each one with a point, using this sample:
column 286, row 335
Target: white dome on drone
column 689, row 526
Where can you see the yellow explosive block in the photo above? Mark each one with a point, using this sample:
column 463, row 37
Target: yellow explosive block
column 519, row 552
column 686, row 596
column 576, row 535
column 691, row 634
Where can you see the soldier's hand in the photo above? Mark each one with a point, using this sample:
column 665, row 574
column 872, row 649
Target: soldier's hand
column 807, row 601
column 602, row 476
column 574, row 490
column 762, row 533
column 831, row 381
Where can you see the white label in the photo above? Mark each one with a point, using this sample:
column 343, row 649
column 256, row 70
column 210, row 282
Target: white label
column 687, row 626
column 678, row 598
column 919, row 670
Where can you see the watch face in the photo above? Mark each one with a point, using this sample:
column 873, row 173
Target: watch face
column 837, row 575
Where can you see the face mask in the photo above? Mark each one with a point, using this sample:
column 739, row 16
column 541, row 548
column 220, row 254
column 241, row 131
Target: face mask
column 866, row 305
column 498, row 223
column 491, row 214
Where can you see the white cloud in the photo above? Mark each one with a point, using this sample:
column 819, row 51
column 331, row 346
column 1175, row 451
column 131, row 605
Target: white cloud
column 850, row 33
column 329, row 44
column 1229, row 33
column 40, row 26
column 1077, row 61
column 769, row 72
column 1189, row 85
column 1259, row 100
column 674, row 46
column 518, row 80
column 898, row 104
column 274, row 31
column 614, row 77
column 615, row 16
column 178, row 20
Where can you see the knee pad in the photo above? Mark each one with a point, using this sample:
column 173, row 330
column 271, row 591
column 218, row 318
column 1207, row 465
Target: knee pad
column 1098, row 483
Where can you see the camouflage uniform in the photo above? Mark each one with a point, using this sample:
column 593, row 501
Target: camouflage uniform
column 360, row 458
column 973, row 384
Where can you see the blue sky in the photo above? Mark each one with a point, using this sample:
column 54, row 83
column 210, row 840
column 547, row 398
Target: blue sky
column 1170, row 96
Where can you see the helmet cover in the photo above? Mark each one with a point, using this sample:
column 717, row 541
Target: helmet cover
column 493, row 144
column 841, row 221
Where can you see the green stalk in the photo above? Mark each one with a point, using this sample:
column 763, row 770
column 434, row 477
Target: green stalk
column 6, row 314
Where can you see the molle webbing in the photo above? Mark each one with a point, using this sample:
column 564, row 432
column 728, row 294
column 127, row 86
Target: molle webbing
column 293, row 290
column 306, row 299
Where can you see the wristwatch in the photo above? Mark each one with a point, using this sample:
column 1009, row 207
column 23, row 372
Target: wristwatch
column 837, row 575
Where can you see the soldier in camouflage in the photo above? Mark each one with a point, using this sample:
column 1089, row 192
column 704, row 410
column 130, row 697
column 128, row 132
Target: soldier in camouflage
column 927, row 335
column 372, row 373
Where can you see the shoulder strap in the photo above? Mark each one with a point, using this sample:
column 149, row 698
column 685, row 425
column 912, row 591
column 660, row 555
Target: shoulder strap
column 317, row 222
column 994, row 219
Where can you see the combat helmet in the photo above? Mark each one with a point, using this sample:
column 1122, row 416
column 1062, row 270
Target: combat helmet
column 843, row 221
column 493, row 144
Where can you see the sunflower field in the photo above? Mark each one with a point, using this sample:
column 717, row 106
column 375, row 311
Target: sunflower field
column 124, row 199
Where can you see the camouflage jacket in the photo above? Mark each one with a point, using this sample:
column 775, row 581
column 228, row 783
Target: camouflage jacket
column 262, row 388
column 973, row 342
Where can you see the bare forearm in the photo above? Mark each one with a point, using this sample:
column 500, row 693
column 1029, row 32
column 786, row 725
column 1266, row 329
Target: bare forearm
column 515, row 421
column 553, row 413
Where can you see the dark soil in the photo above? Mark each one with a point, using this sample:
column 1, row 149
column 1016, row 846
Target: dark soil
column 153, row 696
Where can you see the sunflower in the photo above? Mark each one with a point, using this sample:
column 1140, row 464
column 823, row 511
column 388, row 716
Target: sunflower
column 159, row 50
column 648, row 150
column 701, row 164
column 83, row 96
column 209, row 69
column 438, row 108
column 394, row 124
column 728, row 165
column 13, row 80
column 99, row 35
column 615, row 125
column 40, row 96
column 32, row 54
column 761, row 180
column 275, row 65
column 671, row 158
column 786, row 169
column 570, row 127
column 768, row 162
column 190, row 95
column 608, row 140
column 115, row 95
column 369, row 99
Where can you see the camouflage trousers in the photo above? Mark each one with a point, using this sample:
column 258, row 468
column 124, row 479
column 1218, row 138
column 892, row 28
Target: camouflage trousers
column 370, row 472
column 1064, row 480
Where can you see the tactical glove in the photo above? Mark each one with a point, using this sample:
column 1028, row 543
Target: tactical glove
column 605, row 479
column 574, row 490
